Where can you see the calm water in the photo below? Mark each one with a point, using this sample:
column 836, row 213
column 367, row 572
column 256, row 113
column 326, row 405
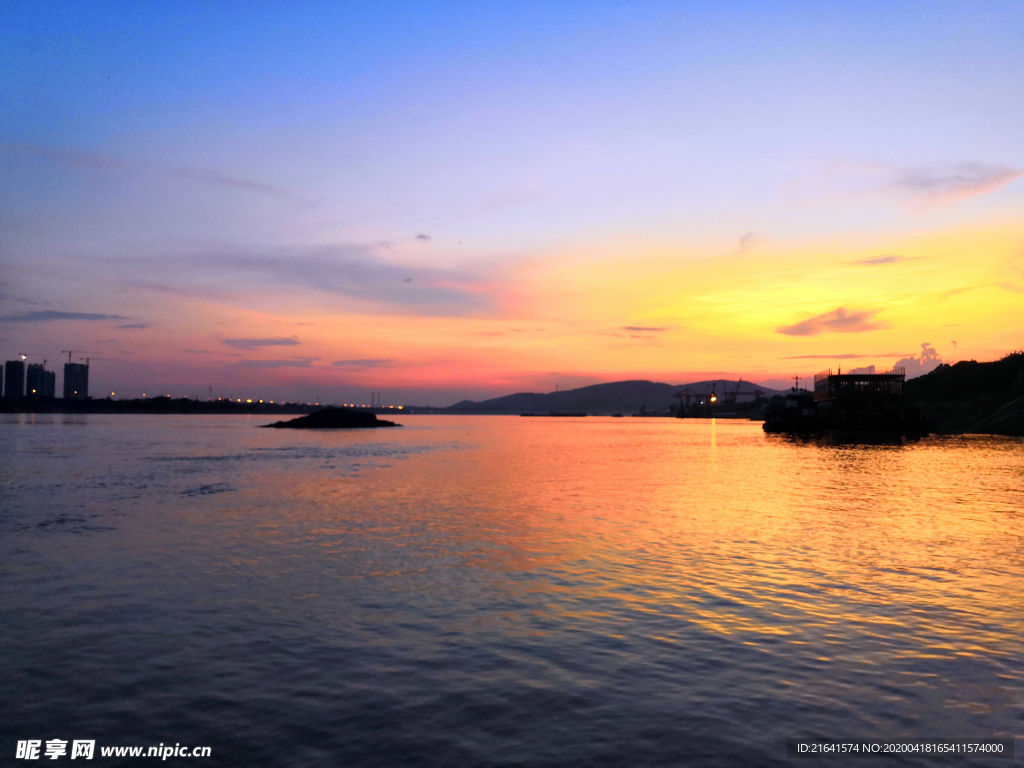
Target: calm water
column 502, row 591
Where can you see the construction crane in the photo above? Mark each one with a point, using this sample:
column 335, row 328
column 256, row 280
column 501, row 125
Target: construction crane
column 698, row 399
column 731, row 397
column 757, row 393
column 69, row 352
column 27, row 355
column 703, row 403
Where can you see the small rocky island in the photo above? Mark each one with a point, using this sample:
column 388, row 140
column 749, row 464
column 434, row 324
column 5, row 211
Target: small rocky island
column 334, row 418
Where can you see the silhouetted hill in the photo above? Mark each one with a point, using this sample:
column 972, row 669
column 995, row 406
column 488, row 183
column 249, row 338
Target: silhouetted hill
column 624, row 397
column 972, row 396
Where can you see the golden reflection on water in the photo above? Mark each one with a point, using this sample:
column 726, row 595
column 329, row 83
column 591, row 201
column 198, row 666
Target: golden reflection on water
column 773, row 587
column 712, row 524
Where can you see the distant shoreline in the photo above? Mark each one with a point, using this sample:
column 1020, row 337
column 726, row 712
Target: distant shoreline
column 179, row 407
column 966, row 398
column 151, row 405
column 184, row 407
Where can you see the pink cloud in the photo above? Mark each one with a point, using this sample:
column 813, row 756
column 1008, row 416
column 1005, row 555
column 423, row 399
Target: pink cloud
column 944, row 186
column 836, row 321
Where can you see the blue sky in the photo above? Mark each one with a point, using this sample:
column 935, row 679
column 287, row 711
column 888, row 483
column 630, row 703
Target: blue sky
column 144, row 138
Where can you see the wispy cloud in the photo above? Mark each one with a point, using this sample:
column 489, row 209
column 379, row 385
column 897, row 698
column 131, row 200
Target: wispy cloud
column 260, row 343
column 297, row 362
column 644, row 328
column 49, row 315
column 958, row 291
column 836, row 321
column 879, row 260
column 1011, row 274
column 748, row 241
column 363, row 363
column 234, row 182
column 98, row 162
column 128, row 326
column 508, row 198
column 352, row 271
column 426, row 238
column 846, row 356
column 946, row 185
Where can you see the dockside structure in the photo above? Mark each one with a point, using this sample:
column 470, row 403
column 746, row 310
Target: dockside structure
column 867, row 402
column 861, row 402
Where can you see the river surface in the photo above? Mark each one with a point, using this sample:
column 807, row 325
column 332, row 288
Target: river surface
column 502, row 591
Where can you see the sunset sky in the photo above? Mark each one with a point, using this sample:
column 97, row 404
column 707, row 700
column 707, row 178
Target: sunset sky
column 439, row 201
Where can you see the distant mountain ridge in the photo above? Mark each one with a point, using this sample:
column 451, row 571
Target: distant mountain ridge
column 625, row 397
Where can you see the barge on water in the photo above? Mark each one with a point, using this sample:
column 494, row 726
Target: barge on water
column 862, row 404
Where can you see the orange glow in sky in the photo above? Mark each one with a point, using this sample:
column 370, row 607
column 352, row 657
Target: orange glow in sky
column 509, row 202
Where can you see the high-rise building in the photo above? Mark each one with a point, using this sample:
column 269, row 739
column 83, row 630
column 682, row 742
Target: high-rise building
column 40, row 382
column 76, row 381
column 14, row 379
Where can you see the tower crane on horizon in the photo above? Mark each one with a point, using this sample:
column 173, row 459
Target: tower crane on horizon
column 69, row 352
column 735, row 393
column 26, row 355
